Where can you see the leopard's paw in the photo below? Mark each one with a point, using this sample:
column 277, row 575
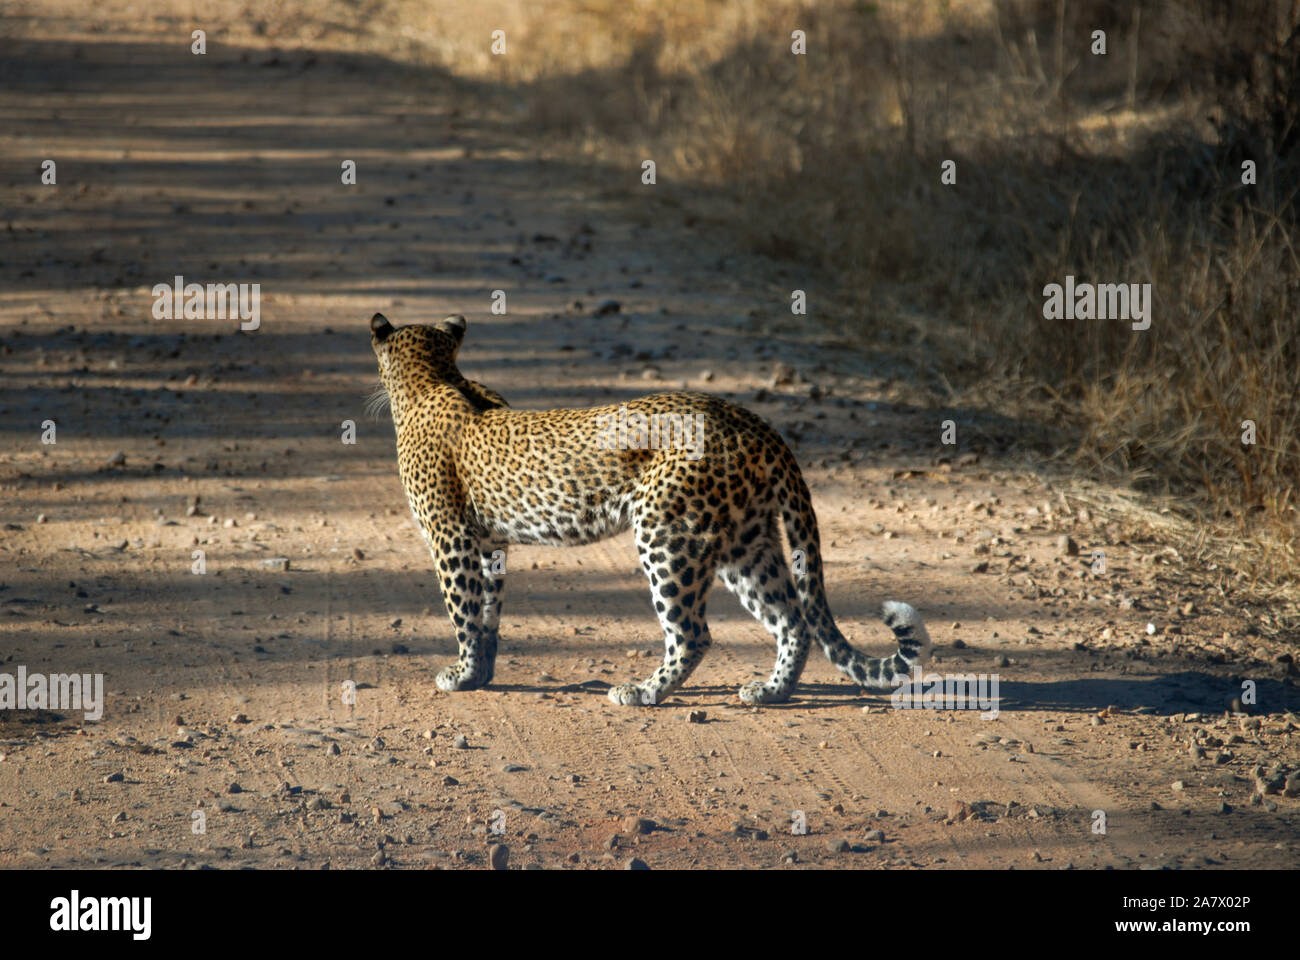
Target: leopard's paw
column 759, row 692
column 630, row 695
column 457, row 677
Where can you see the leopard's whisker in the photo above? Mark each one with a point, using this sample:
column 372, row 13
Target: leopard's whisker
column 377, row 402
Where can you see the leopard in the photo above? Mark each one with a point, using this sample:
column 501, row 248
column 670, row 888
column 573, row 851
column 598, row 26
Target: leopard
column 705, row 485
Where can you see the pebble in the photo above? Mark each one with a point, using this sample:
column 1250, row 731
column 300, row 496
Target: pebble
column 1179, row 786
column 638, row 825
column 874, row 836
column 459, row 742
column 234, row 788
column 606, row 307
column 837, row 845
column 697, row 716
column 271, row 563
column 513, row 768
column 498, row 856
column 1067, row 545
column 636, row 863
column 959, row 811
column 450, row 781
column 114, row 778
column 117, row 460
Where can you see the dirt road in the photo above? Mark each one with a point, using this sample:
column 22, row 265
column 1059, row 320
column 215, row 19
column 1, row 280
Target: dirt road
column 227, row 735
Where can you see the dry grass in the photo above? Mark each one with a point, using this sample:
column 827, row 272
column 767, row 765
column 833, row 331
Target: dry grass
column 1115, row 168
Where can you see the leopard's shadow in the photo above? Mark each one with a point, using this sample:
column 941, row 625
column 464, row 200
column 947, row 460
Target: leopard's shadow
column 1161, row 695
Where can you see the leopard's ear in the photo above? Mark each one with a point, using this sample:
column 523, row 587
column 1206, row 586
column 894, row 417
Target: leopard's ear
column 380, row 327
column 455, row 325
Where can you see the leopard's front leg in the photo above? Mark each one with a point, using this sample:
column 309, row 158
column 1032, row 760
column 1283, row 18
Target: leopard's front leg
column 459, row 561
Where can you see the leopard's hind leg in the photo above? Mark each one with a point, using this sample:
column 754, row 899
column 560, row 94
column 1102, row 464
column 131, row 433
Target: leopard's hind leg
column 757, row 574
column 680, row 564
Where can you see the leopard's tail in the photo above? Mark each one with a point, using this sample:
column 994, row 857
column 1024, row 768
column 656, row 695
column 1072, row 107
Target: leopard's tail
column 878, row 673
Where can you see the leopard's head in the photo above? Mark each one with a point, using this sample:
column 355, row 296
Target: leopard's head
column 414, row 359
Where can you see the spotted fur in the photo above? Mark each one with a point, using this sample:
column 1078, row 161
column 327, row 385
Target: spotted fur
column 479, row 476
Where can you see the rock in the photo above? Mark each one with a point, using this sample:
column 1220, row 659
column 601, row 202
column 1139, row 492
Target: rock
column 790, row 856
column 333, row 750
column 636, row 863
column 450, row 781
column 636, row 825
column 114, row 778
column 1065, row 544
column 459, row 742
column 358, row 553
column 1179, row 786
column 606, row 307
column 782, row 375
column 959, row 811
column 379, row 859
column 234, row 788
column 1292, row 787
column 513, row 768
column 1270, row 784
column 273, row 563
column 117, row 460
column 697, row 716
column 837, row 845
column 498, row 856
column 874, row 836
column 238, row 718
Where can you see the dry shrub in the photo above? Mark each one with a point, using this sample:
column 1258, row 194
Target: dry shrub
column 1122, row 168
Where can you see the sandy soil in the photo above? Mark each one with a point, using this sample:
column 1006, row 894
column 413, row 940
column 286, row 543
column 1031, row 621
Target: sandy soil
column 225, row 690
